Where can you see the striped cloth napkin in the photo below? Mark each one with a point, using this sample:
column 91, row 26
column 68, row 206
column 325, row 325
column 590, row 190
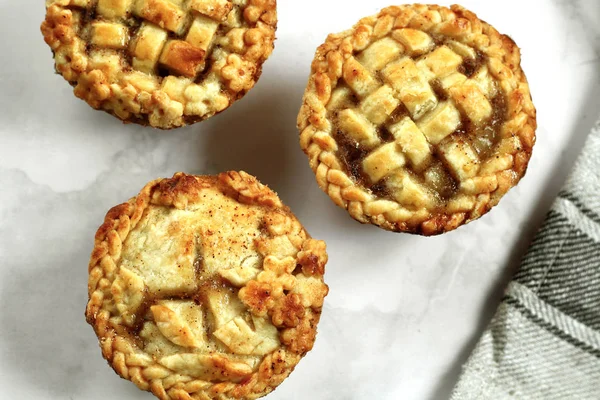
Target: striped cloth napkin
column 544, row 341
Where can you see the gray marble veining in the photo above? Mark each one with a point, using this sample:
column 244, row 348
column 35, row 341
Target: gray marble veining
column 403, row 312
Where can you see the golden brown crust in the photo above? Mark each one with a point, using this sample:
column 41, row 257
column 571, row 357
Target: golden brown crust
column 161, row 63
column 411, row 90
column 231, row 330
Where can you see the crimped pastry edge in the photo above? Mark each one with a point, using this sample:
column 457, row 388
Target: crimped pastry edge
column 326, row 71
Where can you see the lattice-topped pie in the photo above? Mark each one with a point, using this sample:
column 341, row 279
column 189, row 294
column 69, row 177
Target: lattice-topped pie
column 205, row 287
column 418, row 119
column 166, row 63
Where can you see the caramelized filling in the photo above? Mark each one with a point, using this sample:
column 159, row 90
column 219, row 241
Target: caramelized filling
column 385, row 135
column 436, row 176
column 440, row 181
column 471, row 65
column 439, row 91
column 352, row 155
column 142, row 315
column 398, row 114
column 381, row 190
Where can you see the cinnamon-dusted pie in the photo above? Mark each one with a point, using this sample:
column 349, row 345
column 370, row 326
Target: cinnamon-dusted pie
column 166, row 63
column 418, row 119
column 205, row 287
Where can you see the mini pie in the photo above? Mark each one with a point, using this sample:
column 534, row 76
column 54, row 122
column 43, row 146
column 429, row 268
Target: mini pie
column 418, row 119
column 164, row 63
column 205, row 287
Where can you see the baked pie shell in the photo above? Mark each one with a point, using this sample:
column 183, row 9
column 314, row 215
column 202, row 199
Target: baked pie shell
column 148, row 99
column 295, row 315
column 327, row 71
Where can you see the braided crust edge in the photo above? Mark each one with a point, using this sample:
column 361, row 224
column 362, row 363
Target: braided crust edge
column 296, row 318
column 143, row 102
column 455, row 22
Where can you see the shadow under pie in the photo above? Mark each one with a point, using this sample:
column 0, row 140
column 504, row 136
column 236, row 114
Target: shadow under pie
column 258, row 136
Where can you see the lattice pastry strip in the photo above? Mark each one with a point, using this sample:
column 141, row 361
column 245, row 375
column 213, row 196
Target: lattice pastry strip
column 164, row 13
column 381, row 162
column 439, row 63
column 147, row 47
column 485, row 83
column 409, row 191
column 416, row 42
column 110, row 35
column 202, row 32
column 461, row 158
column 440, row 123
column 418, row 119
column 381, row 52
column 358, row 127
column 359, row 78
column 114, row 9
column 412, row 142
column 411, row 85
column 182, row 58
column 340, row 98
column 451, row 80
column 473, row 102
column 215, row 9
column 463, row 50
column 379, row 105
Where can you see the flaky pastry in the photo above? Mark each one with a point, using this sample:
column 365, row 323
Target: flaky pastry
column 418, row 119
column 205, row 287
column 164, row 63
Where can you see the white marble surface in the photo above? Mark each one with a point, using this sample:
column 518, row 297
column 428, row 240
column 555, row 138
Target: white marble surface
column 403, row 311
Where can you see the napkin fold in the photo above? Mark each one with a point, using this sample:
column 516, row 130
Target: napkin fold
column 544, row 341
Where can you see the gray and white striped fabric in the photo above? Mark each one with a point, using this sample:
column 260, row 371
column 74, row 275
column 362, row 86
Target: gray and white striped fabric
column 544, row 341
